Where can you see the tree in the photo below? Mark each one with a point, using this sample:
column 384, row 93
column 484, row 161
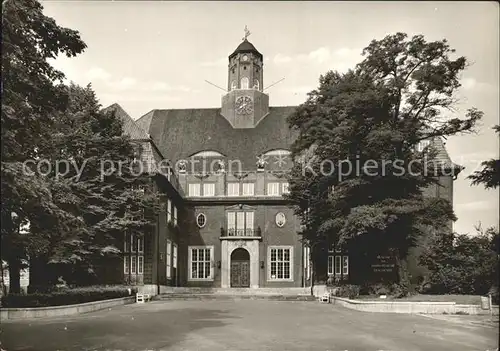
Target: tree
column 359, row 174
column 489, row 176
column 95, row 179
column 30, row 97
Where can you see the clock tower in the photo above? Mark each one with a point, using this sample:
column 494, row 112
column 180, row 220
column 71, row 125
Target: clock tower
column 245, row 104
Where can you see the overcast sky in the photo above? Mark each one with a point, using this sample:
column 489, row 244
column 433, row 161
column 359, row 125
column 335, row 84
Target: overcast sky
column 157, row 55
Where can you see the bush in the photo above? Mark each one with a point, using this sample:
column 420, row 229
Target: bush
column 65, row 296
column 461, row 264
column 349, row 291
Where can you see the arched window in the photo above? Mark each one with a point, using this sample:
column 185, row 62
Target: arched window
column 233, row 85
column 244, row 83
column 256, row 84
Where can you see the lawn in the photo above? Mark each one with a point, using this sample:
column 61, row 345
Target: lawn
column 459, row 299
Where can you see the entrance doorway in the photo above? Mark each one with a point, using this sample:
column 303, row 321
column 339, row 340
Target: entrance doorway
column 240, row 268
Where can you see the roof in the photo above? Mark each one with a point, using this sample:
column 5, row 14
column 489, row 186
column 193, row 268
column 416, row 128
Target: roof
column 130, row 128
column 246, row 47
column 181, row 133
column 442, row 157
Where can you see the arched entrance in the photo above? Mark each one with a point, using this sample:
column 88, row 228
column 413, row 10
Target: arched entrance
column 240, row 268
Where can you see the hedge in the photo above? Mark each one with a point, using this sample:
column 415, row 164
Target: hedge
column 63, row 297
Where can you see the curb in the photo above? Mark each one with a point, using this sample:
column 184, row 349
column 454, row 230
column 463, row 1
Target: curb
column 412, row 307
column 67, row 310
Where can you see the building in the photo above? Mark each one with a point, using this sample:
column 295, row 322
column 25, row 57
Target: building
column 225, row 222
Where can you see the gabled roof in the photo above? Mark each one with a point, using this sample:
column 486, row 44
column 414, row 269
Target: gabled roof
column 183, row 132
column 130, row 128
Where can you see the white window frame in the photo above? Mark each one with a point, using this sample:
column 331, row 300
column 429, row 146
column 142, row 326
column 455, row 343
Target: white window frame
column 175, row 215
column 169, row 259
column 307, row 262
column 244, row 83
column 205, row 223
column 233, row 186
column 140, row 244
column 269, row 263
column 248, row 218
column 126, row 264
column 169, row 209
column 190, row 263
column 338, row 265
column 285, row 188
column 133, row 268
column 140, row 264
column 194, row 189
column 174, row 256
column 208, row 189
column 273, row 186
column 248, row 189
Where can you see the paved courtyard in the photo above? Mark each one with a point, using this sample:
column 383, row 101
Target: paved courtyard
column 246, row 325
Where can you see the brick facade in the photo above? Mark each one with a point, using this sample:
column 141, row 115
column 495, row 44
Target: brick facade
column 233, row 132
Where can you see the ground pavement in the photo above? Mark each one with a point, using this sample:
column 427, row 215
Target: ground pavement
column 256, row 325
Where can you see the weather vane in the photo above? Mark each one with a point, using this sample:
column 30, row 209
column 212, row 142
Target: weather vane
column 247, row 33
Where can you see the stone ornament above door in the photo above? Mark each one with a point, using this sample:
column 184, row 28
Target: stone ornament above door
column 280, row 219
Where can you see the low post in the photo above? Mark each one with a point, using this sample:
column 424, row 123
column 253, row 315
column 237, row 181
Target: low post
column 490, row 305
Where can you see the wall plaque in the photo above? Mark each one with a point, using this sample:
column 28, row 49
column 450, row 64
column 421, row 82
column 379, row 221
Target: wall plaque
column 280, row 219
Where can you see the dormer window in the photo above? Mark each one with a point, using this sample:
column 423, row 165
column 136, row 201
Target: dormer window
column 244, row 83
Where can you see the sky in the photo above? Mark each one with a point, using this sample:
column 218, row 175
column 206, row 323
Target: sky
column 158, row 55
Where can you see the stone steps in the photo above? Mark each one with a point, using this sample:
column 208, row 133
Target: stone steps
column 232, row 297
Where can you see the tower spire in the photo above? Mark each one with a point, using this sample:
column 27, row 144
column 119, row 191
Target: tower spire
column 247, row 33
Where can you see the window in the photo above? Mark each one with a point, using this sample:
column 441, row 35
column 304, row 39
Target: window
column 240, row 223
column 209, row 189
column 133, row 264
column 273, row 189
column 345, row 265
column 201, row 262
column 338, row 265
column 140, row 245
column 256, row 84
column 174, row 263
column 248, row 189
column 284, row 188
column 201, row 220
column 307, row 262
column 194, row 189
column 233, row 85
column 244, row 83
column 233, row 189
column 126, row 265
column 169, row 209
column 280, row 263
column 169, row 173
column 133, row 250
column 169, row 259
column 175, row 215
column 140, row 269
column 422, row 145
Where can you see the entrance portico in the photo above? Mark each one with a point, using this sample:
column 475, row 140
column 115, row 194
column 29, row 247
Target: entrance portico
column 238, row 246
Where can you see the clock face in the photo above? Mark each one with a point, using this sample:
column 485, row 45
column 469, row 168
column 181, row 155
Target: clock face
column 244, row 105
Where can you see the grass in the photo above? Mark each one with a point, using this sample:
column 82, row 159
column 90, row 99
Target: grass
column 459, row 299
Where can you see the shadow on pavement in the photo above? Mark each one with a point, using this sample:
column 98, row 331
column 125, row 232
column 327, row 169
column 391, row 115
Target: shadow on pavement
column 120, row 329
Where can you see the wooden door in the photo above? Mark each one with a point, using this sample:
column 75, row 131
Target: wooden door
column 240, row 274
